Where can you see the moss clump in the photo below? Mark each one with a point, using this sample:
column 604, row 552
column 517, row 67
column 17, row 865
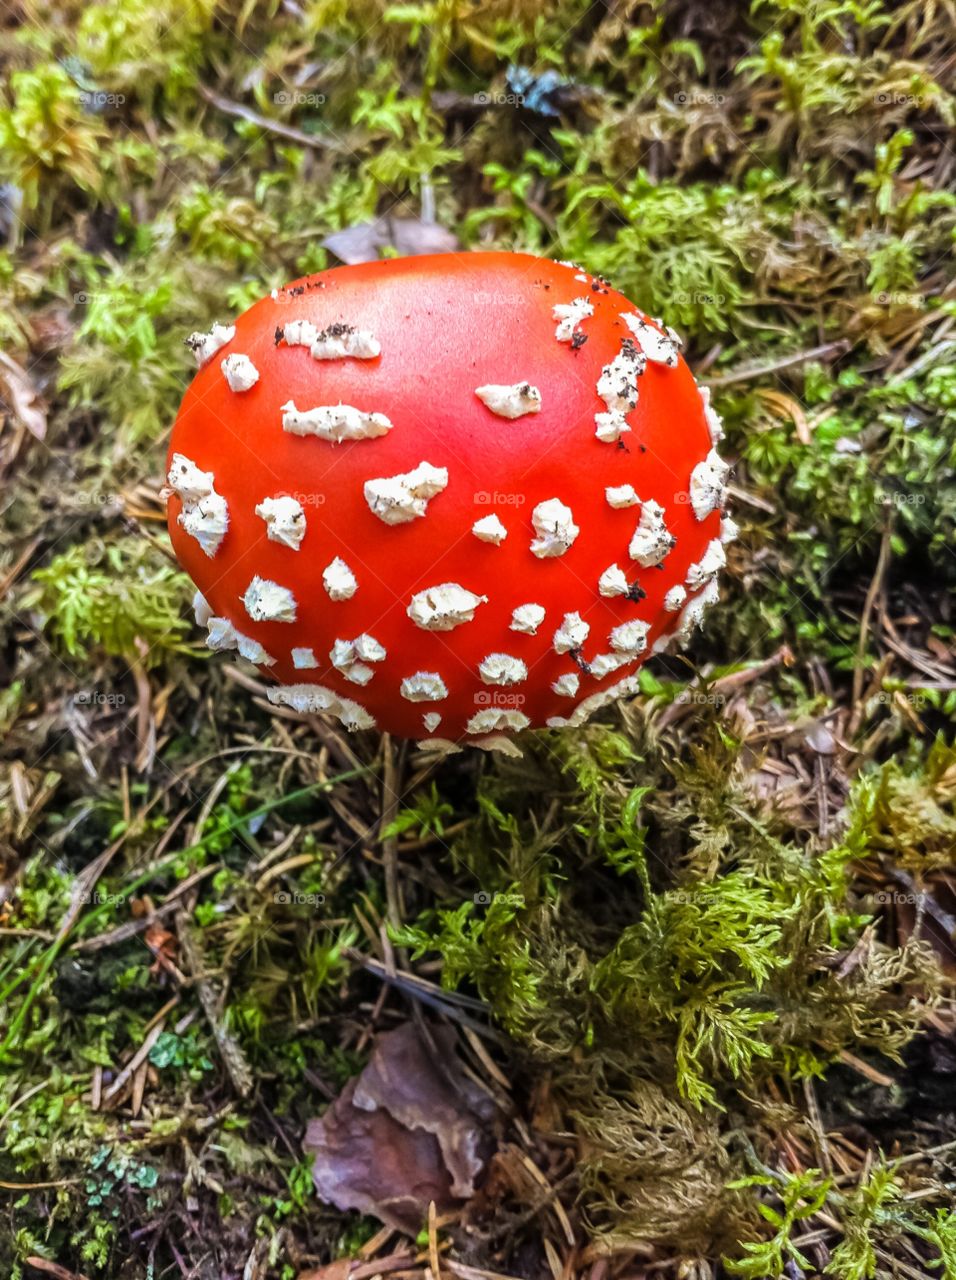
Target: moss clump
column 118, row 597
column 663, row 954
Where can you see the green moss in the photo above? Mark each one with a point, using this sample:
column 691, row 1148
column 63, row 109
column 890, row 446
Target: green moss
column 671, row 953
column 119, row 598
column 678, row 944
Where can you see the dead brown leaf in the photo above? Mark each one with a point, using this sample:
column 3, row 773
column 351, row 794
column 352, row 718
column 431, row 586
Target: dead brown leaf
column 411, row 1129
column 334, row 1271
column 21, row 398
column 162, row 944
column 409, row 237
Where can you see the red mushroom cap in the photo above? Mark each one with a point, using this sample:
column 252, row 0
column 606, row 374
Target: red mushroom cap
column 450, row 496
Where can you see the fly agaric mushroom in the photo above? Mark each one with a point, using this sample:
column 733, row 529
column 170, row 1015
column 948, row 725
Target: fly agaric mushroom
column 452, row 497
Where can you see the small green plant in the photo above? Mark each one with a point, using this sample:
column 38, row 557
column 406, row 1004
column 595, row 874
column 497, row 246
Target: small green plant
column 109, row 1169
column 872, row 1210
column 186, row 1053
column 48, row 139
column 426, row 816
column 117, row 597
column 800, row 1196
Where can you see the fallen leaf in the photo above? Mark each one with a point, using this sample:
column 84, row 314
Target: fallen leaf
column 50, row 330
column 334, row 1271
column 409, row 237
column 53, row 1269
column 21, row 398
column 162, row 944
column 819, row 739
column 411, row 1129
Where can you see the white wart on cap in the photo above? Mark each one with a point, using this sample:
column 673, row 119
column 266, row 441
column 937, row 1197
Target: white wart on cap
column 204, row 514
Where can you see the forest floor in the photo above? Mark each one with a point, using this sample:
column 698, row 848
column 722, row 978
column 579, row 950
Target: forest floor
column 693, row 964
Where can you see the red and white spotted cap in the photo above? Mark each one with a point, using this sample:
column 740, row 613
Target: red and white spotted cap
column 451, row 497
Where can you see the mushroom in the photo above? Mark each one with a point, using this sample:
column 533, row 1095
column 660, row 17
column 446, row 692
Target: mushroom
column 418, row 508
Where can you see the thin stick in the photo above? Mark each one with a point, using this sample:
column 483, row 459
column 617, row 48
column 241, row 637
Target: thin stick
column 141, row 1054
column 317, row 141
column 230, row 1051
column 750, row 372
column 54, row 1268
column 872, row 593
column 433, row 1257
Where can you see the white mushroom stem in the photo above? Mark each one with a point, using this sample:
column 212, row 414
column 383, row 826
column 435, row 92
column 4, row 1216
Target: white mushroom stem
column 399, row 499
column 514, row 401
column 444, row 607
column 334, row 422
